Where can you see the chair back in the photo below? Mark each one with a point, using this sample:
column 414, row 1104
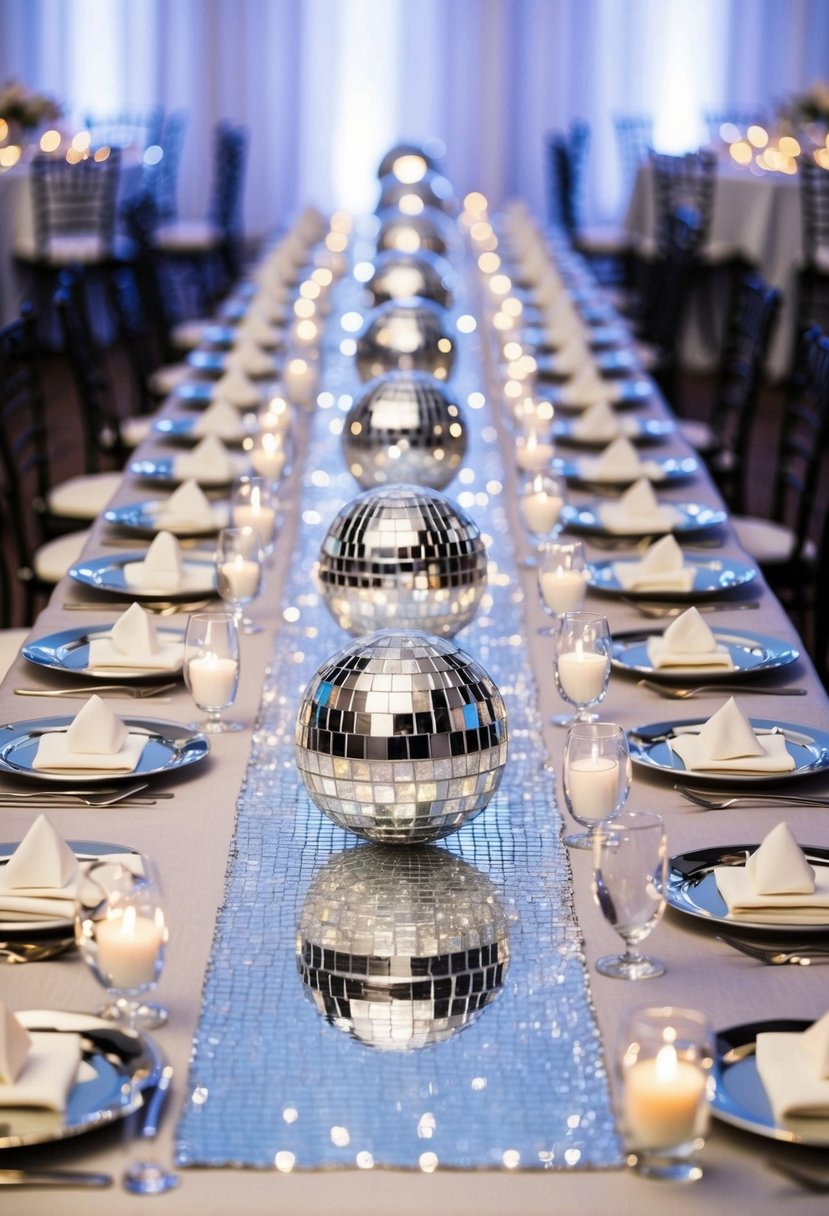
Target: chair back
column 161, row 176
column 74, row 207
column 814, row 201
column 153, row 293
column 740, row 117
column 669, row 282
column 566, row 167
column 688, row 182
column 231, row 149
column 634, row 139
column 125, row 130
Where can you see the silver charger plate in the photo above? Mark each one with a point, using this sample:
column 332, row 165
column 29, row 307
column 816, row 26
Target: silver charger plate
column 711, row 577
column 107, row 574
column 739, row 1096
column 673, row 469
column 610, row 361
column 84, row 850
column 637, row 430
column 751, row 654
column 162, row 471
column 68, row 652
column 808, row 747
column 693, row 517
column 214, row 363
column 146, row 519
column 170, row 746
column 624, row 394
column 183, row 430
column 692, row 889
column 197, row 394
column 109, row 1087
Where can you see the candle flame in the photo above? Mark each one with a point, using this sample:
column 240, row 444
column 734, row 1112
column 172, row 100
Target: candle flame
column 666, row 1064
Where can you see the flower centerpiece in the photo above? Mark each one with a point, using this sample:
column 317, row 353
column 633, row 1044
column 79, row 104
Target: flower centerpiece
column 807, row 110
column 23, row 110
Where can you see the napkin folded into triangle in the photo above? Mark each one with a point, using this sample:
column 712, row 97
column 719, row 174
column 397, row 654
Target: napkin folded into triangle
column 572, row 356
column 95, row 739
column 585, row 387
column 598, row 424
column 728, row 743
column 237, row 388
column 257, row 327
column 619, row 462
column 794, row 1069
column 688, row 642
column 776, row 885
column 638, row 511
column 134, row 642
column 250, row 358
column 161, row 569
column 187, row 507
column 564, row 325
column 41, row 878
column 36, row 1070
column 662, row 568
column 15, row 1042
column 779, row 867
column 221, row 418
column 209, row 462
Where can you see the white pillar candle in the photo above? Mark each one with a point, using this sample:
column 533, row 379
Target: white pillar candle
column 241, row 577
column 663, row 1100
column 562, row 590
column 593, row 786
column 582, row 674
column 531, row 456
column 257, row 516
column 267, row 459
column 300, row 381
column 127, row 950
column 541, row 510
column 212, row 680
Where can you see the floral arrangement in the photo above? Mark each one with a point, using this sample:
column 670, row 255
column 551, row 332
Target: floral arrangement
column 27, row 109
column 808, row 107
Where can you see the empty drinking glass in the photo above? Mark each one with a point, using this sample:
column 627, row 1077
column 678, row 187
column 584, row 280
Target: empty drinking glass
column 630, row 865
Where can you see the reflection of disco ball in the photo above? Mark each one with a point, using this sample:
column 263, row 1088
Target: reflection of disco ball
column 413, row 233
column 402, row 556
column 406, row 334
column 401, row 737
column 409, row 162
column 406, row 427
column 399, row 276
column 401, row 947
column 432, row 190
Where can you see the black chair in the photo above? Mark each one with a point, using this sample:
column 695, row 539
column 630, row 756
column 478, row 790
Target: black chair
column 125, row 129
column 634, row 139
column 161, row 173
column 687, row 181
column 813, row 278
column 665, row 298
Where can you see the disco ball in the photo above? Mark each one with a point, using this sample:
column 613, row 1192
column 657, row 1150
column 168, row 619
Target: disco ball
column 401, row 737
column 410, row 198
column 405, row 334
column 409, row 162
column 402, row 556
column 399, row 276
column 401, row 948
column 426, row 232
column 406, row 427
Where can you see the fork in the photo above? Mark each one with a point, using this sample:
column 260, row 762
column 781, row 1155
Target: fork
column 159, row 607
column 121, row 690
column 722, row 802
column 799, row 955
column 34, row 952
column 89, row 798
column 682, row 694
column 657, row 609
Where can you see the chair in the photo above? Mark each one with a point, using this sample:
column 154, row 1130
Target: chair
column 723, row 441
column 813, row 277
column 784, row 544
column 125, row 130
column 686, row 181
column 161, row 175
column 634, row 139
column 740, row 117
column 665, row 298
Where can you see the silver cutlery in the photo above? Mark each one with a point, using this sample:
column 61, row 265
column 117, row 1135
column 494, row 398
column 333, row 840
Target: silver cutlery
column 682, row 694
column 88, row 798
column 713, row 801
column 62, row 1178
column 801, row 956
column 141, row 691
column 819, row 1183
column 658, row 609
column 34, row 952
column 143, row 1176
column 159, row 607
column 77, row 792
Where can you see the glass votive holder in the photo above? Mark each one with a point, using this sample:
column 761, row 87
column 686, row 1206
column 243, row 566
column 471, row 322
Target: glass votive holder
column 666, row 1056
column 268, row 455
column 562, row 576
column 253, row 505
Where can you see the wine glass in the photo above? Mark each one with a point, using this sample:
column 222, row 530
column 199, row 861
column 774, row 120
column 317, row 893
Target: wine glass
column 542, row 497
column 630, row 868
column 253, row 505
column 121, row 932
column 211, row 666
column 596, row 775
column 582, row 663
column 562, row 578
column 239, row 561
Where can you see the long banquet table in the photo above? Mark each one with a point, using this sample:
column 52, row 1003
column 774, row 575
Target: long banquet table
column 191, row 835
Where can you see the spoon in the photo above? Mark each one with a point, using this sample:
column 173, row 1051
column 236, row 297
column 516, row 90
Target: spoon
column 145, row 1177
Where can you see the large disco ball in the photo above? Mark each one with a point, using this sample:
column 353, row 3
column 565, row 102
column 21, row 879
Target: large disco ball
column 402, row 556
column 433, row 190
column 400, row 276
column 401, row 737
column 406, row 427
column 409, row 162
column 401, row 948
column 407, row 334
column 426, row 232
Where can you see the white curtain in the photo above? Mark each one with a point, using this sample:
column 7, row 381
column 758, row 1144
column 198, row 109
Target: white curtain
column 324, row 86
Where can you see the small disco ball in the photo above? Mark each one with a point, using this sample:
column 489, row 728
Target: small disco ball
column 400, row 276
column 405, row 557
column 409, row 162
column 406, row 334
column 401, row 737
column 410, row 198
column 426, row 232
column 406, row 428
column 401, row 948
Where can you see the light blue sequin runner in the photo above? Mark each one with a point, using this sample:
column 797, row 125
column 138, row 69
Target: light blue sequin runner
column 490, row 1057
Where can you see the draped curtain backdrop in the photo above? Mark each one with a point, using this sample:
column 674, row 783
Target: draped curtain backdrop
column 325, row 86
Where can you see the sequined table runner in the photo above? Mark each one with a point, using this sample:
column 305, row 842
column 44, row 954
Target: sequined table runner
column 487, row 1053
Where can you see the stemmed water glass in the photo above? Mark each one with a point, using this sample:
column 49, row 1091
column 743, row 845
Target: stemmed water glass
column 239, row 564
column 582, row 663
column 542, row 498
column 121, row 932
column 596, row 775
column 562, row 578
column 211, row 666
column 630, row 869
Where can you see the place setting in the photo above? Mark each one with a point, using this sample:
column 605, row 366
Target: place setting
column 166, row 572
column 209, row 464
column 671, row 572
column 187, row 512
column 221, row 418
column 638, row 513
column 601, row 424
column 619, row 466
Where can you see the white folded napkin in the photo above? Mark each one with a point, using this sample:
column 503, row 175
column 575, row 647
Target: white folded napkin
column 134, row 642
column 563, row 325
column 250, row 359
column 688, row 642
column 776, row 884
column 619, row 462
column 95, row 739
column 161, row 569
column 46, row 1074
column 221, row 418
column 15, row 1042
column 727, row 743
column 41, row 878
column 209, row 463
column 585, row 387
column 794, row 1069
column 571, row 357
column 188, row 507
column 662, row 568
column 256, row 326
column 638, row 511
column 237, row 388
column 598, row 424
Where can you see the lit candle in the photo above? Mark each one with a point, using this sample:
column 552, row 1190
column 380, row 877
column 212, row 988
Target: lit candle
column 582, row 675
column 258, row 516
column 127, row 950
column 562, row 590
column 531, row 454
column 268, row 455
column 240, row 577
column 663, row 1100
column 300, row 381
column 212, row 680
column 541, row 510
column 593, row 786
